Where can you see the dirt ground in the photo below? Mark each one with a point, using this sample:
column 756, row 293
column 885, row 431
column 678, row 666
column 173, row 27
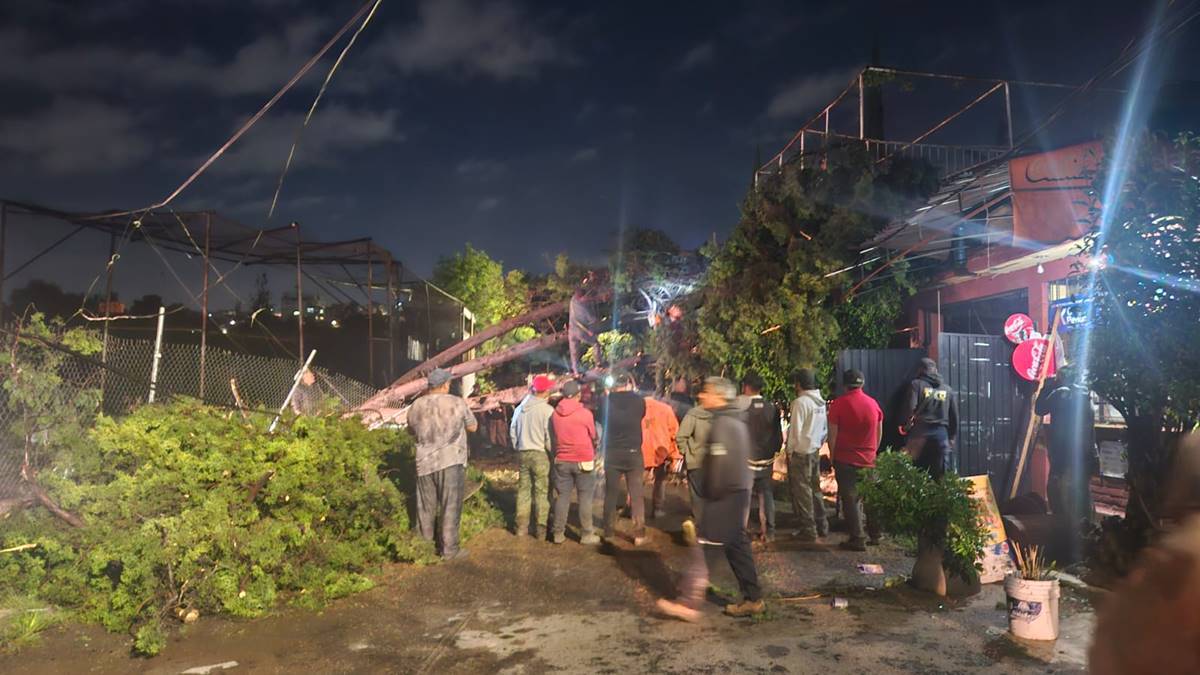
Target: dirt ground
column 516, row 605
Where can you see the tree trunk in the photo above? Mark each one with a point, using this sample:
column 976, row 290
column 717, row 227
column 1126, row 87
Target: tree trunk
column 1149, row 453
column 489, row 333
column 395, row 395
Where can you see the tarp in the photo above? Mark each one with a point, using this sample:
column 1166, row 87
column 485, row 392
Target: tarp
column 1050, row 193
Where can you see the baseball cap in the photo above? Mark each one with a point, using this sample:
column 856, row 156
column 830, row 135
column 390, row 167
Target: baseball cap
column 542, row 383
column 437, row 377
column 852, row 378
column 571, row 388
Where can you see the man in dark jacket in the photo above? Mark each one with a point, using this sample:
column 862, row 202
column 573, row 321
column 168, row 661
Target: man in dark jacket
column 1072, row 445
column 766, row 439
column 726, row 495
column 931, row 420
column 622, row 416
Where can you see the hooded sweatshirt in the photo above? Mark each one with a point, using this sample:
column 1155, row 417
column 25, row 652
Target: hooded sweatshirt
column 574, row 432
column 726, row 462
column 809, row 424
column 693, row 436
column 931, row 405
column 766, row 434
column 659, row 428
column 530, row 427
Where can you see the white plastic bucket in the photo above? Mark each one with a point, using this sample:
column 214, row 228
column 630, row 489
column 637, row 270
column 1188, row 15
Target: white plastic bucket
column 1032, row 608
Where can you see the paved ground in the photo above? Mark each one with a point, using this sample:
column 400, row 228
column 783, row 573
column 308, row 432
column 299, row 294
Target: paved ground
column 521, row 606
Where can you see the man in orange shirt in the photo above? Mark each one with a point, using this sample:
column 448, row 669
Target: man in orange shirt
column 659, row 450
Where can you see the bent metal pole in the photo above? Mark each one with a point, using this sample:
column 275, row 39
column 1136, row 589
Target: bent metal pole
column 292, row 392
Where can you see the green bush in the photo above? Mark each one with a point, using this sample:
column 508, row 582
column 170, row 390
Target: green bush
column 187, row 507
column 907, row 501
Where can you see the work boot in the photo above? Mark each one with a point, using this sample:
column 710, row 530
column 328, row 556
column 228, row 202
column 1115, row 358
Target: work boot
column 746, row 608
column 541, row 534
column 814, row 545
column 559, row 537
column 589, row 540
column 853, row 545
column 678, row 610
column 457, row 555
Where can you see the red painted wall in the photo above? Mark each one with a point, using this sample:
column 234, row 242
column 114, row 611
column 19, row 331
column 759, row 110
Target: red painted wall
column 922, row 308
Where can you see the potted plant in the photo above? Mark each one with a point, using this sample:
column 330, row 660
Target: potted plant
column 941, row 515
column 1032, row 596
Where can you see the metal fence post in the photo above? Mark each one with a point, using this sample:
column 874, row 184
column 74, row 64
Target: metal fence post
column 204, row 308
column 162, row 312
column 299, row 294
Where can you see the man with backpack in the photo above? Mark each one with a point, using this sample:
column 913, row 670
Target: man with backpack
column 932, row 420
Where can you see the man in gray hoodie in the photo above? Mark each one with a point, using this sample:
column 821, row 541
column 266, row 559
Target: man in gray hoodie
column 692, row 438
column 726, row 493
column 806, row 433
column 531, row 436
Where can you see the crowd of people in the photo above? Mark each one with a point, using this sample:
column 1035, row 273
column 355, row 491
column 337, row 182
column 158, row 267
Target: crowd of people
column 572, row 437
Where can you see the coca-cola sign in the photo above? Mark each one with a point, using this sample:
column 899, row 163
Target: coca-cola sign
column 1018, row 328
column 1028, row 358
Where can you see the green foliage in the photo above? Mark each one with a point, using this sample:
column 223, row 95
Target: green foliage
column 188, row 507
column 26, row 617
column 1143, row 358
column 44, row 405
column 613, row 345
column 907, row 501
column 773, row 300
column 482, row 284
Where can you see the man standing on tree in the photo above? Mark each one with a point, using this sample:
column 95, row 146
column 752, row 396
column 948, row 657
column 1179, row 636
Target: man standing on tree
column 581, row 323
column 623, row 411
column 855, row 427
column 530, row 431
column 726, row 496
column 806, row 433
column 932, row 420
column 440, row 423
column 766, row 437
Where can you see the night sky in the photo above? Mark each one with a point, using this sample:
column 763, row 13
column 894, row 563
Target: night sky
column 524, row 128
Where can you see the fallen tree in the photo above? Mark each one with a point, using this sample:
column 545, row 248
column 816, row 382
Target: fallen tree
column 490, row 333
column 390, row 400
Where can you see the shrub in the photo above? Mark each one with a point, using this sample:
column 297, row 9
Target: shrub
column 187, row 507
column 907, row 501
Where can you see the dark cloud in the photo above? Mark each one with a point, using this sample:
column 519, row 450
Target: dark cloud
column 497, row 39
column 700, row 55
column 76, row 136
column 332, row 135
column 808, row 94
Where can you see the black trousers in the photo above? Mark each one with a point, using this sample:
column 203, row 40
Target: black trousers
column 724, row 522
column 631, row 471
column 930, row 449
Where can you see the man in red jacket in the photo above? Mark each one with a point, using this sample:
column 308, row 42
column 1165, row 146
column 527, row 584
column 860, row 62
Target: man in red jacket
column 574, row 431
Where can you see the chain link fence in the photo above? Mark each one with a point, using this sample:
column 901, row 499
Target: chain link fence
column 70, row 387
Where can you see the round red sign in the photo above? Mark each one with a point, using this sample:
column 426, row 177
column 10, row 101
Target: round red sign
column 1028, row 357
column 1018, row 328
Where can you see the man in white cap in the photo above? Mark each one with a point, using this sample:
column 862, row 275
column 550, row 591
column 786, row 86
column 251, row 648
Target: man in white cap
column 440, row 422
